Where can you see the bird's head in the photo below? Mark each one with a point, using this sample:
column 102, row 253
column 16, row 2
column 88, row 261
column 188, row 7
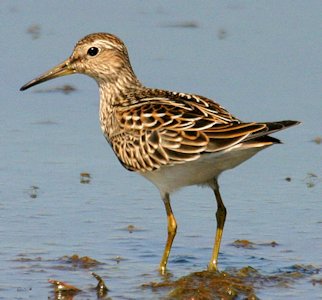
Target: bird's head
column 101, row 56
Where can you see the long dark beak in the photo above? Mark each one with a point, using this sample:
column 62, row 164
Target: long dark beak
column 58, row 71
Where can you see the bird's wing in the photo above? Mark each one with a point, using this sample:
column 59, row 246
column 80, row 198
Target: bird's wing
column 170, row 128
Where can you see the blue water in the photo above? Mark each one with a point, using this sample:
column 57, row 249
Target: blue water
column 261, row 60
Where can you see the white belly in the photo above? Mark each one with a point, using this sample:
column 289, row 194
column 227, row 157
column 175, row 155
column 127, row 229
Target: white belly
column 201, row 171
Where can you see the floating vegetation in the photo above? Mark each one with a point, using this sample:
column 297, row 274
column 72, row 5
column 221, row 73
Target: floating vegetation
column 64, row 290
column 316, row 281
column 207, row 285
column 83, row 262
column 311, row 180
column 243, row 244
column 22, row 257
column 251, row 245
column 299, row 271
column 60, row 286
column 182, row 24
column 270, row 244
column 232, row 284
column 101, row 288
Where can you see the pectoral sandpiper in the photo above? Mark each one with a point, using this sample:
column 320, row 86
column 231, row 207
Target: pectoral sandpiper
column 172, row 139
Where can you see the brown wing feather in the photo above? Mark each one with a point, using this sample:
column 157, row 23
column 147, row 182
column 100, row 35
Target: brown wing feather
column 164, row 128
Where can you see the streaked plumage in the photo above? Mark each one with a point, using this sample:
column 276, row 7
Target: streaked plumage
column 172, row 139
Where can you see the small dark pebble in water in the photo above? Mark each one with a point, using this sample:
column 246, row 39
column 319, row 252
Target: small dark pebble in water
column 118, row 259
column 85, row 178
column 317, row 140
column 221, row 34
column 33, row 191
column 131, row 228
column 34, row 31
column 101, row 288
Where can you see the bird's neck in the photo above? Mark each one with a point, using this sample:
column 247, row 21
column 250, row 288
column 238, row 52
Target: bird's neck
column 112, row 95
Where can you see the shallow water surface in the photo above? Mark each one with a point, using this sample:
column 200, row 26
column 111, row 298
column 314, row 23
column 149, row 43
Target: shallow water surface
column 67, row 207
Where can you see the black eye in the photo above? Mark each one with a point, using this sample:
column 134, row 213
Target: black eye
column 92, row 51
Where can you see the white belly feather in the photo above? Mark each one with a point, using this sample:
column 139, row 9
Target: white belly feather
column 201, row 171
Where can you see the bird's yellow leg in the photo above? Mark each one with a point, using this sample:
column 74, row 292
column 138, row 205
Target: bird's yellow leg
column 221, row 217
column 172, row 229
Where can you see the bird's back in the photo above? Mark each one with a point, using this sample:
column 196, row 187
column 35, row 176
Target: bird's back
column 160, row 128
